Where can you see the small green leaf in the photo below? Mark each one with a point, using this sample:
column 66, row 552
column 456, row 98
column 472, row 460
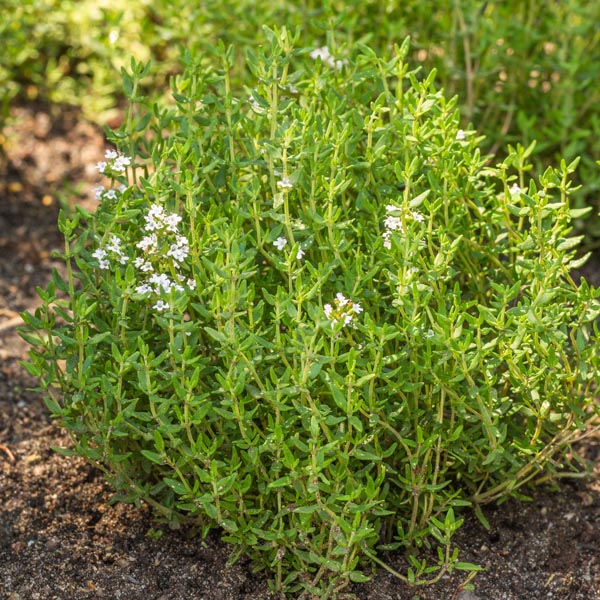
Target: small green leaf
column 153, row 456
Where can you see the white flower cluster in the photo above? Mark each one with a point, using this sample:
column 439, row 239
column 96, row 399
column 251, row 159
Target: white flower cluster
column 344, row 310
column 112, row 250
column 326, row 57
column 393, row 222
column 163, row 240
column 115, row 163
column 163, row 248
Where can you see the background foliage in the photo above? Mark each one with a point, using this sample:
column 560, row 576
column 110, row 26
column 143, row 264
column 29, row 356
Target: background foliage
column 522, row 70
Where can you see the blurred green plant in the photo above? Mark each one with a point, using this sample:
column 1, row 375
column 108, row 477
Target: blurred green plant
column 308, row 314
column 523, row 71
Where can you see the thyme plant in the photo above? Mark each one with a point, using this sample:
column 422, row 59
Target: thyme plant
column 310, row 315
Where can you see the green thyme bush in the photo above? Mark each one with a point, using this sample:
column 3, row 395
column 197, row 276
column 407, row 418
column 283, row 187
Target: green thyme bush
column 304, row 315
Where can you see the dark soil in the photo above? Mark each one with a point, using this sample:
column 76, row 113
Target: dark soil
column 60, row 538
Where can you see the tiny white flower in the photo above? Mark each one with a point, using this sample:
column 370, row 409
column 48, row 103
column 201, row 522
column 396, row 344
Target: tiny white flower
column 142, row 264
column 100, row 255
column 298, row 224
column 393, row 223
column 110, row 194
column 120, row 163
column 460, row 135
column 143, row 289
column 285, row 184
column 429, row 334
column 171, row 222
column 280, row 243
column 322, row 53
column 110, row 154
column 114, row 244
column 191, row 283
column 341, row 299
column 179, row 253
column 148, row 243
column 256, row 107
column 515, row 190
column 326, row 57
column 98, row 191
column 417, row 216
column 101, row 166
column 160, row 306
column 344, row 311
column 357, row 308
column 299, row 254
column 162, row 282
